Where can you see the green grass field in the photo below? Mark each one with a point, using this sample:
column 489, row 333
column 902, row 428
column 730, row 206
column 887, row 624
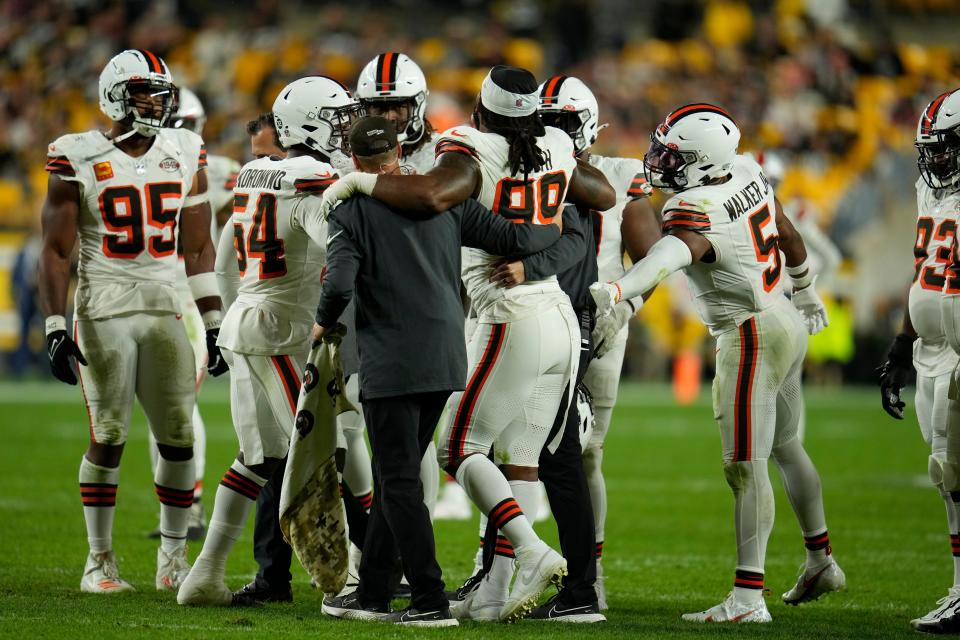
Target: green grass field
column 669, row 546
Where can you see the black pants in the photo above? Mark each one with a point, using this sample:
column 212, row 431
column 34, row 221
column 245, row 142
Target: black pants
column 400, row 428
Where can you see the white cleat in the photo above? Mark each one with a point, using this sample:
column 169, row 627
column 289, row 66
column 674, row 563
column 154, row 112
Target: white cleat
column 814, row 582
column 483, row 603
column 453, row 503
column 538, row 566
column 172, row 569
column 100, row 575
column 733, row 612
column 600, row 587
column 200, row 588
column 942, row 617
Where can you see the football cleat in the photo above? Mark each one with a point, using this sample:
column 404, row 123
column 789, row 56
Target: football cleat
column 556, row 610
column 415, row 618
column 813, row 583
column 172, row 569
column 484, row 603
column 196, row 522
column 100, row 575
column 732, row 611
column 453, row 503
column 348, row 607
column 259, row 591
column 201, row 588
column 464, row 590
column 538, row 566
column 600, row 587
column 944, row 617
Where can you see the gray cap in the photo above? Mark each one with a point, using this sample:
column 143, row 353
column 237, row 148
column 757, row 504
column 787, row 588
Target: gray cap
column 372, row 135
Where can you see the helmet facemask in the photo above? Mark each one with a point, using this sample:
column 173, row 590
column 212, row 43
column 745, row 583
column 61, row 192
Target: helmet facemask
column 572, row 123
column 404, row 112
column 339, row 120
column 665, row 167
column 939, row 159
column 149, row 103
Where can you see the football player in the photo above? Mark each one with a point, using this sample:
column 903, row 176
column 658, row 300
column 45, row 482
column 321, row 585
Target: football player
column 924, row 344
column 127, row 194
column 725, row 228
column 525, row 348
column 629, row 226
column 279, row 241
column 221, row 171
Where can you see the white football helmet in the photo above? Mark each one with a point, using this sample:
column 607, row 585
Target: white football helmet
column 568, row 104
column 938, row 142
column 137, row 84
column 586, row 414
column 317, row 112
column 190, row 114
column 693, row 145
column 393, row 80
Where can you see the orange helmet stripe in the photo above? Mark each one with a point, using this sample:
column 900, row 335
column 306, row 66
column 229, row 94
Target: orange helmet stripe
column 931, row 112
column 699, row 107
column 153, row 62
column 386, row 70
column 552, row 88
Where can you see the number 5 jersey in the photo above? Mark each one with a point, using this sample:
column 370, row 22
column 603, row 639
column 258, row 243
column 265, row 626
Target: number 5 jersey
column 741, row 275
column 129, row 212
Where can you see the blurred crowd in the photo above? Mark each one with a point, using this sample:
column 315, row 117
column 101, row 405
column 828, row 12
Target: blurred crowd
column 832, row 87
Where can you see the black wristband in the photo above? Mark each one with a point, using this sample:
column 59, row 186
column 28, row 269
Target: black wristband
column 901, row 351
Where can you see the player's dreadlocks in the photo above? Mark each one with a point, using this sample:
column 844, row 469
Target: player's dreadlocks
column 521, row 134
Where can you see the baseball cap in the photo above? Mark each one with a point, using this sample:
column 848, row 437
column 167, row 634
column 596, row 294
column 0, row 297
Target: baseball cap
column 372, row 135
column 510, row 91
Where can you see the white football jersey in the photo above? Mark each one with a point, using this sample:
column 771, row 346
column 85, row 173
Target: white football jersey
column 280, row 242
column 534, row 199
column 937, row 213
column 421, row 160
column 738, row 217
column 221, row 175
column 626, row 177
column 129, row 212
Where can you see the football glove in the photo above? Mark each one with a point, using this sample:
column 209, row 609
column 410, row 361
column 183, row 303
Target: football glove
column 216, row 364
column 895, row 373
column 606, row 296
column 346, row 187
column 60, row 348
column 609, row 326
column 810, row 306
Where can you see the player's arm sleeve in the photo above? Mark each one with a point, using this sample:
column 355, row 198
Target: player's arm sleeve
column 343, row 263
column 483, row 229
column 308, row 217
column 567, row 252
column 667, row 255
column 226, row 266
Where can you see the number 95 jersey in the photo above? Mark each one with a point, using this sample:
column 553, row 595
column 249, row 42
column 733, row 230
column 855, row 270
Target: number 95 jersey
column 936, row 228
column 532, row 199
column 129, row 211
column 741, row 276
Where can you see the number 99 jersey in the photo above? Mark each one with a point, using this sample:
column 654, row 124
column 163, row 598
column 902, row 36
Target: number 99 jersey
column 933, row 251
column 129, row 212
column 532, row 199
column 741, row 276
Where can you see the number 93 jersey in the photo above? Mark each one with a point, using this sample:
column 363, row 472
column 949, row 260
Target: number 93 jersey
column 280, row 241
column 532, row 199
column 937, row 213
column 741, row 276
column 129, row 212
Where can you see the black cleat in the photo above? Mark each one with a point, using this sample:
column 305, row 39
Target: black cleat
column 259, row 591
column 469, row 585
column 416, row 618
column 556, row 610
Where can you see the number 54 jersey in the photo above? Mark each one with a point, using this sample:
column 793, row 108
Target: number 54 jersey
column 741, row 276
column 280, row 241
column 129, row 212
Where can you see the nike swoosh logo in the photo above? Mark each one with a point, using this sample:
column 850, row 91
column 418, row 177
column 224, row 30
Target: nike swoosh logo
column 742, row 616
column 414, row 616
column 54, row 346
column 809, row 583
column 684, row 203
column 559, row 611
column 330, row 239
column 325, row 174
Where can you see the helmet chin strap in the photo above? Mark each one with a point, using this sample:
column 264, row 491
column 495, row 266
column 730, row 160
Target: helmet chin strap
column 124, row 136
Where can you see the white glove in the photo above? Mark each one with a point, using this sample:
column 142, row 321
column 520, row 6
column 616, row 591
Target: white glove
column 346, row 187
column 606, row 295
column 810, row 306
column 609, row 326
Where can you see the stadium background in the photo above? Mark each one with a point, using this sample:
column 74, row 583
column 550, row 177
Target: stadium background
column 832, row 86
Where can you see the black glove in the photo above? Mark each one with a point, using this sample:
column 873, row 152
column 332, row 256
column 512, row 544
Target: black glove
column 216, row 364
column 895, row 373
column 60, row 348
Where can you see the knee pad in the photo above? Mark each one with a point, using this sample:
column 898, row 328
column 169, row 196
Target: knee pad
column 738, row 474
column 935, row 468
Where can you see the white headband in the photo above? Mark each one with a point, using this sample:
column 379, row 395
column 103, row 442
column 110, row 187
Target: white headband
column 506, row 103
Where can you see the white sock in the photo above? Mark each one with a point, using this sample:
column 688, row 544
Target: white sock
column 430, row 477
column 592, row 463
column 356, row 468
column 802, row 484
column 173, row 482
column 235, row 498
column 199, row 452
column 489, row 490
column 527, row 494
column 753, row 515
column 98, row 492
column 478, row 558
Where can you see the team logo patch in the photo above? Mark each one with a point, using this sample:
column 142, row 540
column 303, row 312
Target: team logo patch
column 310, row 378
column 169, row 164
column 103, row 170
column 304, row 423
